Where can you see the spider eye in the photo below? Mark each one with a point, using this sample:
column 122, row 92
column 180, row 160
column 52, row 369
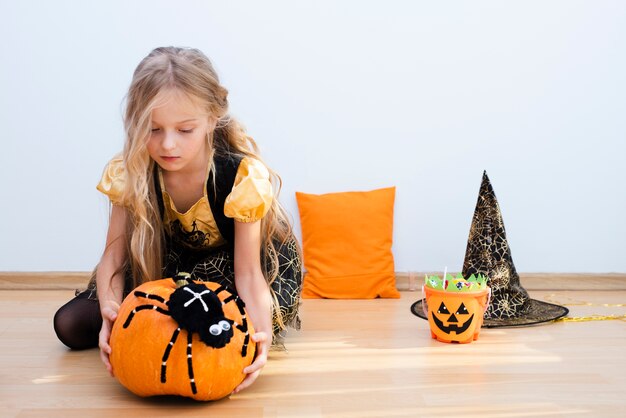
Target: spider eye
column 224, row 324
column 215, row 329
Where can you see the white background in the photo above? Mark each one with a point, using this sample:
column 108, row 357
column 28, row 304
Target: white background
column 340, row 95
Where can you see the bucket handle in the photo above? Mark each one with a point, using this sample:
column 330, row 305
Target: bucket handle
column 424, row 301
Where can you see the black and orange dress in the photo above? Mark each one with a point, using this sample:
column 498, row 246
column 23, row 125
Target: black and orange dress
column 200, row 241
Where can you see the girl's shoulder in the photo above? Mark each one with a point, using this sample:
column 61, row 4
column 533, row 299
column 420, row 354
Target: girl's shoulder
column 231, row 169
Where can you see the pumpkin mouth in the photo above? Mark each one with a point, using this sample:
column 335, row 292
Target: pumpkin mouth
column 457, row 329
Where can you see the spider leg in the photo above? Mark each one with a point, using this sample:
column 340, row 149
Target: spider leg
column 221, row 289
column 141, row 294
column 230, row 298
column 166, row 355
column 141, row 308
column 189, row 363
column 244, row 325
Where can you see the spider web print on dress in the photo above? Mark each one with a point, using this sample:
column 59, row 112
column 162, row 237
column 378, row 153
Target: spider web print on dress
column 217, row 268
column 288, row 285
column 213, row 267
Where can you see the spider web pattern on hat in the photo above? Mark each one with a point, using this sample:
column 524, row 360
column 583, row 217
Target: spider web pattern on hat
column 488, row 253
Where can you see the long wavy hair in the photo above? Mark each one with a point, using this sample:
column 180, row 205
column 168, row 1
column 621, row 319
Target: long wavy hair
column 189, row 71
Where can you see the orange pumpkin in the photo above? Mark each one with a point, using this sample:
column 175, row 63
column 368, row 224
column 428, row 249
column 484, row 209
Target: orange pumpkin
column 455, row 316
column 190, row 340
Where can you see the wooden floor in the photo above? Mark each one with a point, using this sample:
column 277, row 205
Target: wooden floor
column 363, row 358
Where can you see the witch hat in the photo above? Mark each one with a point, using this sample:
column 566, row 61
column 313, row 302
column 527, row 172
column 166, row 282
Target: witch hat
column 488, row 253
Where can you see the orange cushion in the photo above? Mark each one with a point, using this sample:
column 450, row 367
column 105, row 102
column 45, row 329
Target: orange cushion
column 346, row 240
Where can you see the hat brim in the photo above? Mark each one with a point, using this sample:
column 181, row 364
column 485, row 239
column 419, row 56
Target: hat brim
column 538, row 312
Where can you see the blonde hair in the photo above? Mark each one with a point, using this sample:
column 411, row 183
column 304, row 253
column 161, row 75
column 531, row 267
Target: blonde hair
column 189, row 71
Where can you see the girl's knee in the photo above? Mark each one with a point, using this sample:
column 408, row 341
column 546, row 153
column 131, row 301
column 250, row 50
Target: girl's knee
column 77, row 325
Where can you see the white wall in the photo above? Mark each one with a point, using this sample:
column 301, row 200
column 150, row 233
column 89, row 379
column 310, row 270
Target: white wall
column 349, row 95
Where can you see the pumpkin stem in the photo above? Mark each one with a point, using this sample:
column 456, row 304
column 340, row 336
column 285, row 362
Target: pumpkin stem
column 182, row 279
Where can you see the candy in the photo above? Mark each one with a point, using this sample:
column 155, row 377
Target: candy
column 456, row 284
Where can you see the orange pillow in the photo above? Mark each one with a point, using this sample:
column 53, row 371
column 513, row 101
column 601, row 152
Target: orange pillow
column 346, row 240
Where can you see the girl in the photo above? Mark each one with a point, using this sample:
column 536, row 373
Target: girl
column 189, row 194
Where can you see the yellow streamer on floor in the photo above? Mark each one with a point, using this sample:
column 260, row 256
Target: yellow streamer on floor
column 573, row 302
column 591, row 318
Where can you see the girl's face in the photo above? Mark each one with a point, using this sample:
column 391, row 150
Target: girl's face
column 178, row 141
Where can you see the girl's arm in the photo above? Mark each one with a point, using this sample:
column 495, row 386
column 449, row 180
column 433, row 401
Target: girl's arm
column 253, row 289
column 109, row 283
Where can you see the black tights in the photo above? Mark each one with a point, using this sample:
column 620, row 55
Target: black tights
column 78, row 322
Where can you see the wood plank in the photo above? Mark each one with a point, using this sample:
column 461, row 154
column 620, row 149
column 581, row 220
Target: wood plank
column 57, row 280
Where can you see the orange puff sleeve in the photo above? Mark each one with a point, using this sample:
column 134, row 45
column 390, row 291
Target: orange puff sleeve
column 113, row 181
column 252, row 194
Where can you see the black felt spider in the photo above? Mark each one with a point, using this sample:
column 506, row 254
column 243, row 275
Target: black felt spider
column 198, row 310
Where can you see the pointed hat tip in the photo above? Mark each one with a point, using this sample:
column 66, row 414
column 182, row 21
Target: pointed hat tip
column 485, row 180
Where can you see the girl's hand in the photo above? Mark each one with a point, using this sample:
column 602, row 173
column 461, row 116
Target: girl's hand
column 262, row 342
column 109, row 314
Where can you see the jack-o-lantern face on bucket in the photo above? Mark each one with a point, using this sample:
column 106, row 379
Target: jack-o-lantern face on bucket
column 458, row 322
column 455, row 317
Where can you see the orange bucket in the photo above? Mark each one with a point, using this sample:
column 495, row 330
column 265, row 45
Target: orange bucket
column 455, row 317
